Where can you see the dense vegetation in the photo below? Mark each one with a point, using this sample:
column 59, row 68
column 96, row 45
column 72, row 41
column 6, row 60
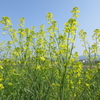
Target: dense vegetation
column 42, row 65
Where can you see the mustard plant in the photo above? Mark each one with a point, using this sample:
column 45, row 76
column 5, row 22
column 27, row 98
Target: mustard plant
column 43, row 66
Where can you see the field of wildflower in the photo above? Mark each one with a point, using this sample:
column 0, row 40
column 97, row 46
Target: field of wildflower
column 42, row 65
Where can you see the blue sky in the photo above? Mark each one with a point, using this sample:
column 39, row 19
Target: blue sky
column 34, row 12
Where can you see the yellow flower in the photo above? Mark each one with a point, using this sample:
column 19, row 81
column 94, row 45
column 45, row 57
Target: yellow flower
column 49, row 16
column 72, row 59
column 71, row 82
column 72, row 40
column 98, row 63
column 38, row 67
column 49, row 23
column 3, row 33
column 76, row 54
column 53, row 84
column 1, row 86
column 16, row 53
column 74, row 95
column 98, row 39
column 10, row 42
column 1, row 67
column 87, row 85
column 62, row 46
column 23, row 34
column 25, row 48
column 8, row 20
column 79, row 82
column 1, row 79
column 98, row 35
column 42, row 58
column 13, row 34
